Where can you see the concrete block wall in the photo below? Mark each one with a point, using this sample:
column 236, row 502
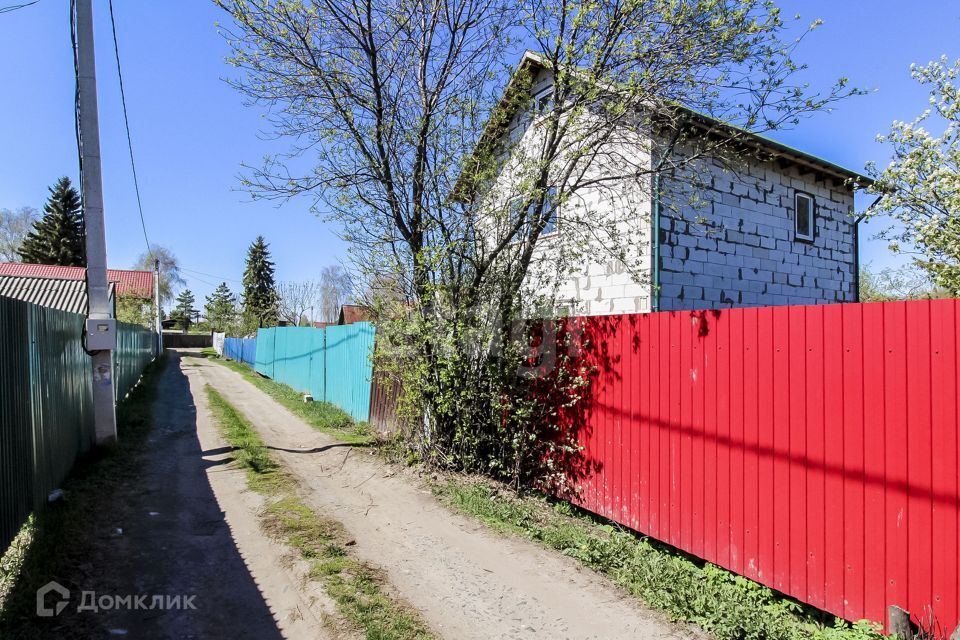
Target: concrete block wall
column 735, row 245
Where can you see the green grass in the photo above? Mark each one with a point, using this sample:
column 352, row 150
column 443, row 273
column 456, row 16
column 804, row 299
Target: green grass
column 356, row 588
column 58, row 538
column 322, row 416
column 725, row 604
column 209, row 352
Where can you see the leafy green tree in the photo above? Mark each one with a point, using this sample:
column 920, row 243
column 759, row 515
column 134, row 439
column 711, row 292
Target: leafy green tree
column 260, row 299
column 184, row 312
column 920, row 187
column 446, row 172
column 135, row 310
column 170, row 278
column 221, row 309
column 58, row 238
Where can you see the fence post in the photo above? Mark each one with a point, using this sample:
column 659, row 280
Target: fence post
column 899, row 623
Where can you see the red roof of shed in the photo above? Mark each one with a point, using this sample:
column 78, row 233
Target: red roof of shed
column 350, row 313
column 128, row 281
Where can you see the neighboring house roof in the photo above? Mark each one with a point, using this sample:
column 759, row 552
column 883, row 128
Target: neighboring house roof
column 128, row 281
column 350, row 313
column 57, row 293
column 322, row 325
column 709, row 124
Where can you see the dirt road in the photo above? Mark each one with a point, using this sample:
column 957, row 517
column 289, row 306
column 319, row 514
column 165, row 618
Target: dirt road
column 467, row 582
column 188, row 526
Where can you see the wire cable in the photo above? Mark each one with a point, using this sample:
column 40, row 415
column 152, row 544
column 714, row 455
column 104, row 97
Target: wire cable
column 126, row 123
column 14, row 7
column 211, row 275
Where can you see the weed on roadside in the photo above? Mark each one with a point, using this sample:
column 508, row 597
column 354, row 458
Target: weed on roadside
column 356, row 588
column 729, row 606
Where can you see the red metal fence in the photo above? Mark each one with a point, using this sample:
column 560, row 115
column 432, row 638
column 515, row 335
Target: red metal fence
column 812, row 449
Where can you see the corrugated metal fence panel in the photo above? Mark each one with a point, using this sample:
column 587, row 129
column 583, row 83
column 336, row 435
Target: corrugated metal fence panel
column 317, row 374
column 294, row 351
column 265, row 352
column 16, row 441
column 812, row 449
column 248, row 351
column 136, row 346
column 241, row 350
column 46, row 416
column 348, row 367
column 333, row 364
column 384, row 396
column 218, row 338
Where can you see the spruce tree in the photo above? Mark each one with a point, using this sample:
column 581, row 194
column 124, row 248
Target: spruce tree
column 259, row 290
column 58, row 237
column 221, row 308
column 183, row 313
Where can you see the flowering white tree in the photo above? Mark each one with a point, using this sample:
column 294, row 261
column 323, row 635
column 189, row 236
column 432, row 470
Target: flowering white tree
column 920, row 187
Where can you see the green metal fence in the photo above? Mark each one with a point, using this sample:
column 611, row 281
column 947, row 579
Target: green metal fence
column 46, row 401
column 136, row 347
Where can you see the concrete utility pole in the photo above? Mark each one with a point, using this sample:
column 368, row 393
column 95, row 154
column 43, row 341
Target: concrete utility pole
column 156, row 302
column 101, row 334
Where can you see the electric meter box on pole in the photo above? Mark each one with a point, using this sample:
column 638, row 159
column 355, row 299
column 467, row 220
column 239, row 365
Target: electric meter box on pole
column 101, row 334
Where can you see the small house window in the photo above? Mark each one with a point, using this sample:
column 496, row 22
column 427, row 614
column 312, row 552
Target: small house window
column 804, row 217
column 543, row 101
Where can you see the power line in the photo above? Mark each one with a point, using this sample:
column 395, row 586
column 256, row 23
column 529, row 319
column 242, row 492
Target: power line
column 211, row 275
column 126, row 123
column 14, row 7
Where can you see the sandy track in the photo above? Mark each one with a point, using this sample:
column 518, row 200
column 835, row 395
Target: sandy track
column 188, row 526
column 467, row 581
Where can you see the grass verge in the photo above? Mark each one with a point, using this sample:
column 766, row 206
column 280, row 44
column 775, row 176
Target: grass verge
column 725, row 604
column 59, row 536
column 322, row 416
column 355, row 587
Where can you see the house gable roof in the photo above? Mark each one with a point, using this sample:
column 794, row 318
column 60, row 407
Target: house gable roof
column 128, row 281
column 57, row 293
column 531, row 61
column 350, row 313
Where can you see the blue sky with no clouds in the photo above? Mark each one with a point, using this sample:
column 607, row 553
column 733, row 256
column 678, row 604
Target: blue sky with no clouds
column 191, row 131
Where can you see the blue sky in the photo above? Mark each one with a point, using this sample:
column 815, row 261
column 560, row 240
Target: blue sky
column 191, row 131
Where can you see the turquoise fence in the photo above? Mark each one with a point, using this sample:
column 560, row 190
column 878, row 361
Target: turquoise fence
column 241, row 350
column 331, row 364
column 46, row 396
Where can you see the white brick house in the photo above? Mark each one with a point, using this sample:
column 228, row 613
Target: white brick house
column 776, row 230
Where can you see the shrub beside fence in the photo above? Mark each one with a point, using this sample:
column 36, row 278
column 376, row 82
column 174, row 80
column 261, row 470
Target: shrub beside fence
column 812, row 449
column 46, row 396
